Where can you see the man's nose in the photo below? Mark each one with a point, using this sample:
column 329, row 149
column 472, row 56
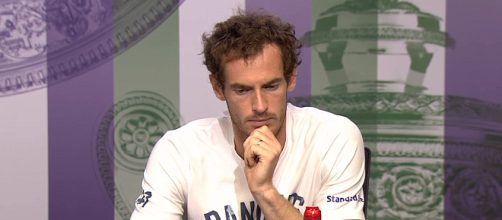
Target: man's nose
column 260, row 104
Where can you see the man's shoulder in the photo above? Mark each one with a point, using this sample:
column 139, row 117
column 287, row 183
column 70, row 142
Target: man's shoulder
column 204, row 126
column 194, row 136
column 315, row 115
column 323, row 131
column 317, row 121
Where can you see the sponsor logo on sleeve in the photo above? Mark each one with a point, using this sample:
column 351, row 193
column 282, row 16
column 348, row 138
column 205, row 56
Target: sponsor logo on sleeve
column 143, row 198
column 338, row 199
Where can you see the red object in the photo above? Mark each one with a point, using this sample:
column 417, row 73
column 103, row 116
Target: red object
column 312, row 213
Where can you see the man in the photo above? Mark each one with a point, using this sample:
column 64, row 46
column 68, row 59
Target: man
column 268, row 159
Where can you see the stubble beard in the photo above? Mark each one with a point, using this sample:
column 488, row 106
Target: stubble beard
column 244, row 131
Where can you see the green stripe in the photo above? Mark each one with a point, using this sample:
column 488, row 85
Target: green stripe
column 146, row 106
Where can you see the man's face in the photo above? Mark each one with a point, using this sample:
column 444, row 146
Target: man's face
column 255, row 91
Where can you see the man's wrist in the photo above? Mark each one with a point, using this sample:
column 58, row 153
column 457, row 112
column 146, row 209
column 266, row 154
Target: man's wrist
column 275, row 206
column 266, row 193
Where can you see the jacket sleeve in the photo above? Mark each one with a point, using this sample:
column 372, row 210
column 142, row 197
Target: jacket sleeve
column 164, row 184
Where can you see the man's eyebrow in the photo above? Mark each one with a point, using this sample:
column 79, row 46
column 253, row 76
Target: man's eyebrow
column 273, row 81
column 242, row 86
column 239, row 86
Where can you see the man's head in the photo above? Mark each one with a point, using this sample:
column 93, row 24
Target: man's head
column 243, row 36
column 253, row 60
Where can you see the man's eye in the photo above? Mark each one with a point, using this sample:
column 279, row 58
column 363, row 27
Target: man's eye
column 241, row 91
column 272, row 87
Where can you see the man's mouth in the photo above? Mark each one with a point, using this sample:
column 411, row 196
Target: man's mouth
column 258, row 122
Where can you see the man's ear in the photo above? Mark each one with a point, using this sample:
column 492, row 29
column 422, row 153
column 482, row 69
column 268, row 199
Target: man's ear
column 292, row 81
column 217, row 87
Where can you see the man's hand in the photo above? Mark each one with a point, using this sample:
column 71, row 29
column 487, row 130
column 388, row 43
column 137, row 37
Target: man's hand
column 261, row 153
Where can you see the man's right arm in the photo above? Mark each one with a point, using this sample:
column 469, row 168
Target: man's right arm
column 163, row 184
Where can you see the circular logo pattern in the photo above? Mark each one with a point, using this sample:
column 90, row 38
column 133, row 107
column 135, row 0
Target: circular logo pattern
column 127, row 135
column 140, row 120
column 475, row 193
column 47, row 42
column 410, row 192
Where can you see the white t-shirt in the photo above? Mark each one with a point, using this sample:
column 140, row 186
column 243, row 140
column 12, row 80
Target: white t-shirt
column 194, row 170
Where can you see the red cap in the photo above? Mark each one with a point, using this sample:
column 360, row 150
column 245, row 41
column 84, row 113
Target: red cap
column 312, row 213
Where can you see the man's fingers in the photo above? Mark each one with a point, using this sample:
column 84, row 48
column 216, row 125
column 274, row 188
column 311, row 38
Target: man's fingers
column 265, row 130
column 259, row 136
column 254, row 153
column 261, row 145
column 250, row 156
column 264, row 134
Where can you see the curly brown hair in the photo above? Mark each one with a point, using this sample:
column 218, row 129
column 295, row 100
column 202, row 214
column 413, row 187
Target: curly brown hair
column 244, row 36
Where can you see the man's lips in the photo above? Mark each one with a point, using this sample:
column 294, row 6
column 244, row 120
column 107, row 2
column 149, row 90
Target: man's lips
column 260, row 122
